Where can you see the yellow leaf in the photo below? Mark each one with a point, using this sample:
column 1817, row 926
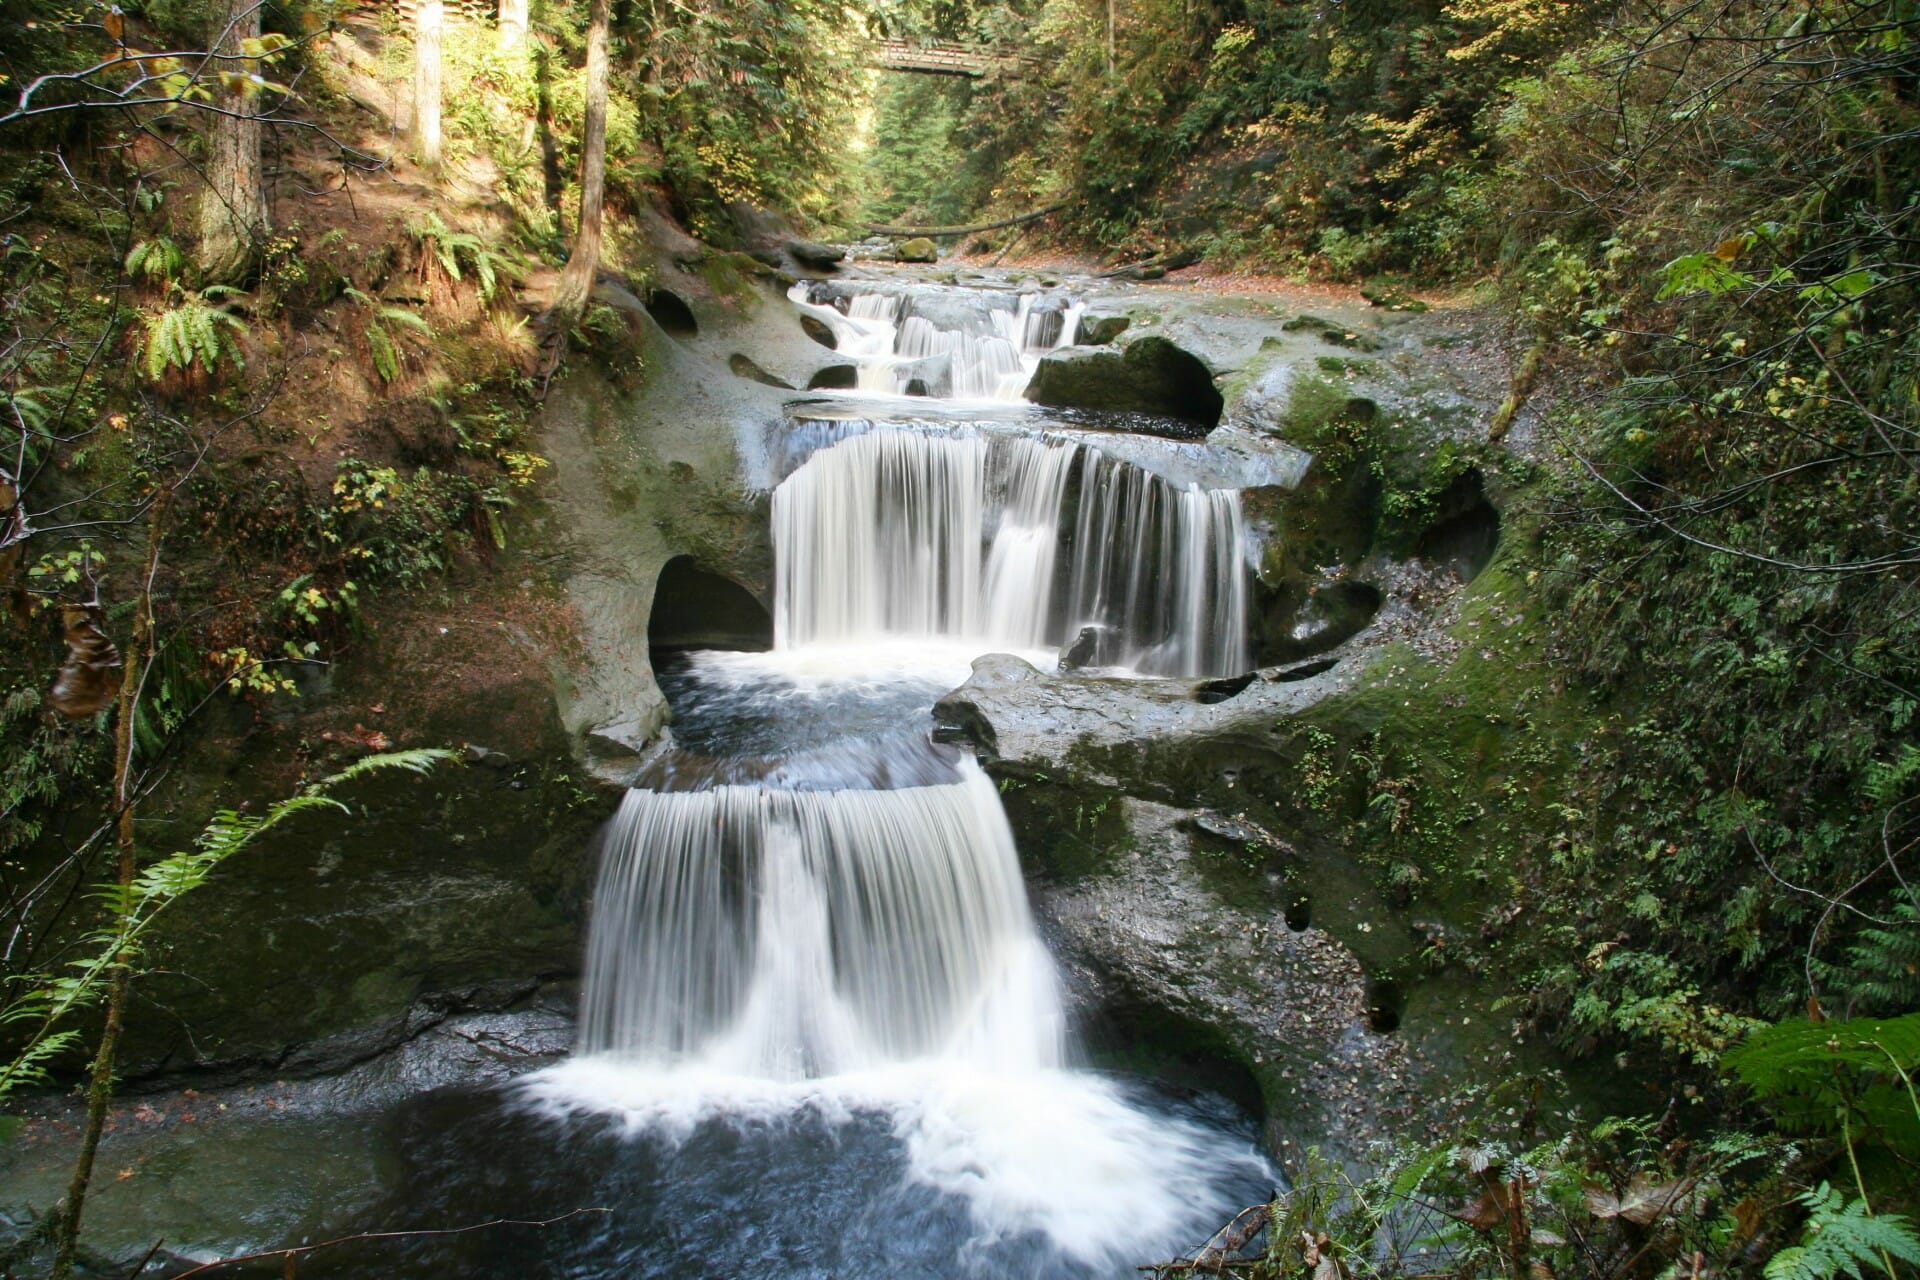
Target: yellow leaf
column 1729, row 249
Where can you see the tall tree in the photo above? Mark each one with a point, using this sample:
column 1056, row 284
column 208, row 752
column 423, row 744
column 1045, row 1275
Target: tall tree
column 576, row 282
column 429, row 22
column 512, row 25
column 233, row 210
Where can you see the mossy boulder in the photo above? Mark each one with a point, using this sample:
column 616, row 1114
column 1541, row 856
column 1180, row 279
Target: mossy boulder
column 341, row 934
column 1097, row 329
column 918, row 249
column 1149, row 376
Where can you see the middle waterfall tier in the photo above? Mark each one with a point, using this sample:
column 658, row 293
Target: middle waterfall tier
column 789, row 935
column 1012, row 543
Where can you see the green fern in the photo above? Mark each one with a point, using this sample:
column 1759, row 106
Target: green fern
column 27, row 415
column 1840, row 1236
column 1885, row 970
column 197, row 327
column 453, row 249
column 381, row 335
column 1845, row 1080
column 1885, row 779
column 156, row 261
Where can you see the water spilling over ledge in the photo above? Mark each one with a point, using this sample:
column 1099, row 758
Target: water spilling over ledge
column 976, row 540
column 943, row 343
column 808, row 913
column 787, row 935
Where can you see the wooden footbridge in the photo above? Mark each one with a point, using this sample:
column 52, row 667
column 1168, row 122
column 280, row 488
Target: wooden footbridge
column 975, row 62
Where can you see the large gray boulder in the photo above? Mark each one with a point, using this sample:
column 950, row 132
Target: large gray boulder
column 1150, row 375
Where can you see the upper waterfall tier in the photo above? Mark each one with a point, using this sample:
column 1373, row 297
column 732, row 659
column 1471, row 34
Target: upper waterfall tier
column 959, row 536
column 941, row 341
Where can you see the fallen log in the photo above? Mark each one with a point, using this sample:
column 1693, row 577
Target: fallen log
column 1153, row 268
column 939, row 232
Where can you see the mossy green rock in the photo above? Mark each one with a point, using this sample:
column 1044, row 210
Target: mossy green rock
column 340, row 934
column 1150, row 375
column 918, row 249
column 1097, row 330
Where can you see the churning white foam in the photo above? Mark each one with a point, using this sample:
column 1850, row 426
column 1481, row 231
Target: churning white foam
column 1066, row 1155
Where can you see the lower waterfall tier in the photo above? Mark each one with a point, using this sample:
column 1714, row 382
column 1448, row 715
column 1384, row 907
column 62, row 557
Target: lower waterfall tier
column 785, row 935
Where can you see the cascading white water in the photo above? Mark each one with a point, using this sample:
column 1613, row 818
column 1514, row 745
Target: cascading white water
column 851, row 933
column 758, row 954
column 987, row 351
column 900, row 533
column 1162, row 566
column 897, row 533
column 791, row 935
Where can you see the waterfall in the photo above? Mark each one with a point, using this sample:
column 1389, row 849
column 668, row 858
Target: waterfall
column 1161, row 567
column 814, row 908
column 984, row 346
column 956, row 536
column 791, row 935
column 887, row 533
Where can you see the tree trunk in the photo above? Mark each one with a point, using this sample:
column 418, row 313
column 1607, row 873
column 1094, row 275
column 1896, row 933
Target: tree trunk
column 100, row 1075
column 429, row 21
column 883, row 229
column 512, row 25
column 233, row 210
column 576, row 282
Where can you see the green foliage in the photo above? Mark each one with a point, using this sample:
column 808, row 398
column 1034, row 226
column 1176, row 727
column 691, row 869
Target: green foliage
column 453, row 250
column 1850, row 1080
column 385, row 328
column 1885, row 971
column 1355, row 137
column 196, row 326
column 38, row 1007
column 1752, row 337
column 398, row 528
column 157, row 262
column 749, row 101
column 1496, row 1196
column 1840, row 1238
column 910, row 171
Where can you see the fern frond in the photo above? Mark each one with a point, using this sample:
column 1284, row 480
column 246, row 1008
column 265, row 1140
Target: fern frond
column 1840, row 1236
column 386, row 357
column 30, row 1067
column 131, row 910
column 29, row 406
column 1831, row 1077
column 1885, row 970
column 1885, row 778
column 413, row 760
column 157, row 260
column 402, row 316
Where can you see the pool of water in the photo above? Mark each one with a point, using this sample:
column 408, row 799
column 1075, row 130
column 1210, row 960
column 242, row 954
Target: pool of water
column 840, row 1184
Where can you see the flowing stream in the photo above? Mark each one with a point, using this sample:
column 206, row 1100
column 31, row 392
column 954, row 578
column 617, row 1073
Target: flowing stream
column 811, row 944
column 820, row 1035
